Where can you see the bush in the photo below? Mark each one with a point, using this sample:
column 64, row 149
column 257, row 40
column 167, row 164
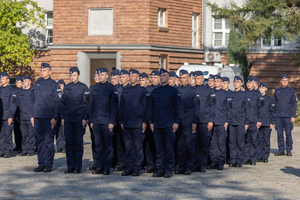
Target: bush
column 297, row 121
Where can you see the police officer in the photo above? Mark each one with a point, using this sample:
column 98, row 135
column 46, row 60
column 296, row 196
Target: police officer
column 74, row 119
column 256, row 83
column 25, row 103
column 172, row 80
column 238, row 123
column 221, row 120
column 133, row 109
column 60, row 134
column 8, row 108
column 205, row 123
column 254, row 115
column 47, row 97
column 188, row 125
column 165, row 112
column 149, row 144
column 286, row 107
column 103, row 112
column 17, row 130
column 266, row 125
column 211, row 81
column 225, row 83
column 144, row 79
column 192, row 79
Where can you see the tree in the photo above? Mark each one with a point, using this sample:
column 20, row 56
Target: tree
column 15, row 51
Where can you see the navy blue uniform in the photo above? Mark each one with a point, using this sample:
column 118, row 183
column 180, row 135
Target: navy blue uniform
column 186, row 140
column 265, row 131
column 219, row 134
column 17, row 130
column 285, row 101
column 74, row 110
column 60, row 133
column 236, row 103
column 133, row 107
column 7, row 109
column 254, row 115
column 47, row 96
column 164, row 110
column 102, row 112
column 26, row 104
column 92, row 134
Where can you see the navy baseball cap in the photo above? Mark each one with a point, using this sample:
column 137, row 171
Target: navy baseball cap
column 2, row 74
column 262, row 84
column 45, row 65
column 256, row 79
column 218, row 77
column 198, row 73
column 237, row 78
column 124, row 71
column 284, row 76
column 19, row 78
column 250, row 78
column 115, row 72
column 143, row 75
column 192, row 74
column 27, row 77
column 161, row 71
column 134, row 71
column 225, row 79
column 155, row 73
column 101, row 70
column 172, row 74
column 183, row 71
column 73, row 69
column 211, row 76
column 61, row 81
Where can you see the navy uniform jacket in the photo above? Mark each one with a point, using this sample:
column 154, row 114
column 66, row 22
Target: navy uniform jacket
column 219, row 107
column 189, row 101
column 150, row 88
column 119, row 89
column 285, row 101
column 204, row 104
column 254, row 109
column 47, row 98
column 75, row 102
column 8, row 106
column 269, row 111
column 236, row 103
column 103, row 103
column 25, row 103
column 133, row 107
column 16, row 92
column 165, row 108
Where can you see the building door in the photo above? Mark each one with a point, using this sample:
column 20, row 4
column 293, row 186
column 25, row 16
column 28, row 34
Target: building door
column 109, row 64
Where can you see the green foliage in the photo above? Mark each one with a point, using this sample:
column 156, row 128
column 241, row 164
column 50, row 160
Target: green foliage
column 235, row 53
column 298, row 113
column 15, row 51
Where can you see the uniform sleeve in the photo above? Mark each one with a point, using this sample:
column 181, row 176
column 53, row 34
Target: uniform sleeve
column 272, row 111
column 212, row 106
column 12, row 104
column 86, row 99
column 260, row 104
column 227, row 109
column 195, row 109
column 114, row 106
column 150, row 108
column 245, row 107
column 31, row 110
column 178, row 107
column 145, row 105
column 294, row 103
column 57, row 101
column 121, row 109
column 91, row 107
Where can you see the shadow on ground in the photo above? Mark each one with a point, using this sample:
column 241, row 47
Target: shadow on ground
column 291, row 170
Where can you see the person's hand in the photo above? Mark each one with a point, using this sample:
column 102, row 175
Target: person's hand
column 175, row 127
column 144, row 126
column 122, row 126
column 210, row 126
column 258, row 125
column 226, row 126
column 293, row 119
column 152, row 127
column 92, row 125
column 63, row 122
column 271, row 126
column 194, row 127
column 32, row 121
column 111, row 127
column 246, row 127
column 53, row 123
column 84, row 123
column 9, row 121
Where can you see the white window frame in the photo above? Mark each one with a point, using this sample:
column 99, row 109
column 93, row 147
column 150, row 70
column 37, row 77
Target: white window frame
column 223, row 31
column 163, row 61
column 272, row 46
column 196, row 30
column 48, row 28
column 164, row 17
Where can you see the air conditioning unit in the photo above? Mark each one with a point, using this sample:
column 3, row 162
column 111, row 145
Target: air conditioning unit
column 212, row 57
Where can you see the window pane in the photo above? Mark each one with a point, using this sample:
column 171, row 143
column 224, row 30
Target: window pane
column 161, row 17
column 195, row 21
column 218, row 20
column 50, row 18
column 277, row 42
column 218, row 43
column 50, row 36
column 218, row 36
column 195, row 37
column 218, row 26
column 266, row 42
column 227, row 24
column 226, row 39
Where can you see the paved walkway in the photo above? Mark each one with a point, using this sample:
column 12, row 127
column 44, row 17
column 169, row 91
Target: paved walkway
column 279, row 179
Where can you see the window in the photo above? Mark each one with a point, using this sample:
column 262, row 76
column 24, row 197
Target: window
column 100, row 21
column 271, row 42
column 195, row 24
column 163, row 61
column 221, row 29
column 161, row 17
column 49, row 27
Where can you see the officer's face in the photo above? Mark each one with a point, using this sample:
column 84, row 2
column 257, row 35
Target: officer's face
column 96, row 78
column 62, row 86
column 184, row 79
column 171, row 81
column 45, row 73
column 74, row 77
column 124, row 79
column 199, row 80
column 115, row 80
column 255, row 84
column 103, row 77
column 164, row 78
column 263, row 90
column 26, row 83
column 211, row 82
column 177, row 82
column 144, row 82
column 218, row 83
column 250, row 85
column 154, row 80
column 133, row 78
column 225, row 85
column 19, row 84
column 4, row 80
column 237, row 84
column 192, row 80
column 284, row 82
